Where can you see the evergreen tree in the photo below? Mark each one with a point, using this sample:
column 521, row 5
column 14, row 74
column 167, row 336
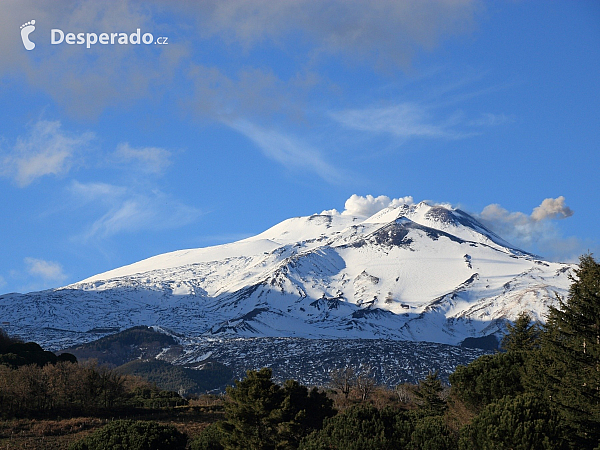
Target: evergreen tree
column 262, row 415
column 568, row 367
column 488, row 379
column 523, row 422
column 522, row 336
column 362, row 427
column 251, row 412
column 432, row 433
column 429, row 395
column 301, row 412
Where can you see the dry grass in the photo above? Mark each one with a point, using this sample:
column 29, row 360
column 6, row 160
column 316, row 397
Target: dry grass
column 57, row 434
column 458, row 414
column 45, row 434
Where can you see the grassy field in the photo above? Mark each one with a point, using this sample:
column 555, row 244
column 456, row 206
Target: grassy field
column 54, row 434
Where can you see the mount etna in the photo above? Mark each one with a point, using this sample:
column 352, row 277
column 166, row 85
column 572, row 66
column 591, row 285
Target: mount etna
column 411, row 272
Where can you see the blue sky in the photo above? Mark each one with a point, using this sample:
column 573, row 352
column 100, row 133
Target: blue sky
column 257, row 111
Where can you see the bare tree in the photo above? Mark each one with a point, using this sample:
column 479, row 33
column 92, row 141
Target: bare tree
column 365, row 382
column 404, row 392
column 343, row 379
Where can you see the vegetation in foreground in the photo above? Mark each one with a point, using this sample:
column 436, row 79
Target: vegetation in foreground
column 542, row 392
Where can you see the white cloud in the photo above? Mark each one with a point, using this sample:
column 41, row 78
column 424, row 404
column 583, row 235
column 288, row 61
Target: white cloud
column 288, row 151
column 127, row 210
column 536, row 230
column 46, row 150
column 147, row 159
column 357, row 205
column 552, row 208
column 48, row 270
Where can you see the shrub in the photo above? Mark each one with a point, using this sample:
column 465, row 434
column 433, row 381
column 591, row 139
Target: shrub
column 133, row 435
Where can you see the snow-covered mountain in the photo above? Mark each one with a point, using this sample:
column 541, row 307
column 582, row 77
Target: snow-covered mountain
column 410, row 272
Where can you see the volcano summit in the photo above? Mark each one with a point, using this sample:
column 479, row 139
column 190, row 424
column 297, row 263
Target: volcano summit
column 416, row 272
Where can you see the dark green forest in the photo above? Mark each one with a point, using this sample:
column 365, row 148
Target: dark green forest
column 541, row 391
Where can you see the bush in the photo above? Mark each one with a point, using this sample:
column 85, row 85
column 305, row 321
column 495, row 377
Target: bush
column 362, row 428
column 133, row 435
column 209, row 439
column 520, row 423
column 431, row 433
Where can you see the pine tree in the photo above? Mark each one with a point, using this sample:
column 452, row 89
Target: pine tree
column 428, row 394
column 523, row 422
column 252, row 412
column 522, row 336
column 569, row 365
column 362, row 427
column 262, row 415
column 488, row 379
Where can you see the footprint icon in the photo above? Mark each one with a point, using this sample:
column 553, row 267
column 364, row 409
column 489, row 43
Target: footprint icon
column 26, row 30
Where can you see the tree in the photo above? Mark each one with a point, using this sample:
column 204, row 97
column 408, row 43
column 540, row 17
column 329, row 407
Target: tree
column 523, row 422
column 365, row 383
column 262, row 415
column 522, row 336
column 343, row 379
column 301, row 412
column 6, row 341
column 404, row 392
column 251, row 412
column 362, row 427
column 431, row 433
column 209, row 439
column 569, row 362
column 488, row 379
column 428, row 395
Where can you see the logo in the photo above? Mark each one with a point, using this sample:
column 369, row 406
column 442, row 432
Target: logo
column 26, row 30
column 58, row 36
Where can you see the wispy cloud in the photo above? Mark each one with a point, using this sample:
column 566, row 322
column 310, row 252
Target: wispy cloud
column 83, row 84
column 405, row 120
column 387, row 32
column 147, row 159
column 289, row 151
column 491, row 120
column 128, row 210
column 92, row 192
column 49, row 271
column 46, row 150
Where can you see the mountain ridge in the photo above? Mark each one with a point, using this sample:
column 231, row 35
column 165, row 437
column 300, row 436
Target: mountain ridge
column 408, row 272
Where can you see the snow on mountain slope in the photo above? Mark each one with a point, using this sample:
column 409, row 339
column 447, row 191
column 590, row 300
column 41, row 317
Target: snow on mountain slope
column 411, row 272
